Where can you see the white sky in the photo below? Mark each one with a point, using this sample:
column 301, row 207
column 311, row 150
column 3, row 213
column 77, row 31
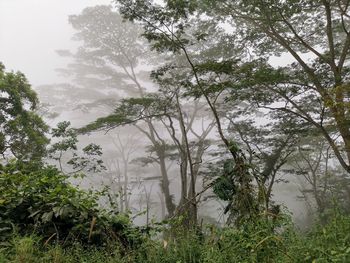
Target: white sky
column 31, row 31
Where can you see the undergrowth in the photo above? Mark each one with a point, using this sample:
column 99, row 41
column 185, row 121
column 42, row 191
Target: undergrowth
column 44, row 218
column 258, row 242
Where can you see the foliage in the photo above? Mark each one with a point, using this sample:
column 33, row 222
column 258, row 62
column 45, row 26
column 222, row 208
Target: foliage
column 88, row 159
column 329, row 242
column 265, row 241
column 109, row 52
column 22, row 131
column 42, row 201
column 310, row 92
column 316, row 35
column 239, row 195
column 130, row 111
column 172, row 28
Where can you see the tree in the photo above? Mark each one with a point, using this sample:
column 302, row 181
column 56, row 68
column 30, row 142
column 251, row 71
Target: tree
column 119, row 169
column 188, row 151
column 268, row 148
column 172, row 27
column 316, row 34
column 322, row 184
column 109, row 54
column 112, row 52
column 22, row 131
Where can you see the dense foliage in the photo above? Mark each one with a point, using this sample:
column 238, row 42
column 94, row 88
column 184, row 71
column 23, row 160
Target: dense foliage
column 42, row 201
column 214, row 55
column 251, row 243
column 225, row 50
column 22, row 131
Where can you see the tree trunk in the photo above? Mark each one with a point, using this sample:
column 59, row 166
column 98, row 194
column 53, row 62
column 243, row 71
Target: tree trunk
column 169, row 202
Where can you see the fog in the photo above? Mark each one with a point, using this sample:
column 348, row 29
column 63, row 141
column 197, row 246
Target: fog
column 30, row 34
column 31, row 31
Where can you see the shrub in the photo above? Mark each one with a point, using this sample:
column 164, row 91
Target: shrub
column 325, row 243
column 42, row 201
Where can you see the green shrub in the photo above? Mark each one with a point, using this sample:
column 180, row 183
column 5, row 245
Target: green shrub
column 251, row 243
column 39, row 206
column 261, row 241
column 325, row 243
column 43, row 202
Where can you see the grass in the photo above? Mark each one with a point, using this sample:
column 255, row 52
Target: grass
column 249, row 243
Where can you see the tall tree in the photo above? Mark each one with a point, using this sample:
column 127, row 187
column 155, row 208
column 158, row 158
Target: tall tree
column 316, row 34
column 173, row 27
column 112, row 57
column 166, row 108
column 109, row 59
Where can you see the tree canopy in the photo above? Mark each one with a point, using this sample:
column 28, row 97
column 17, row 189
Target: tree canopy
column 22, row 131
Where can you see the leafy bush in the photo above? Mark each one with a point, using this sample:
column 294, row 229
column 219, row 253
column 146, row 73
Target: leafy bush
column 249, row 243
column 42, row 201
column 39, row 206
column 325, row 243
column 263, row 240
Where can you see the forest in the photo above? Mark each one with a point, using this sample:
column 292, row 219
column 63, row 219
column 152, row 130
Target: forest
column 183, row 131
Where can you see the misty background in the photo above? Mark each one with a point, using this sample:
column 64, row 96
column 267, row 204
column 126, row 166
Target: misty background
column 30, row 34
column 31, row 31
